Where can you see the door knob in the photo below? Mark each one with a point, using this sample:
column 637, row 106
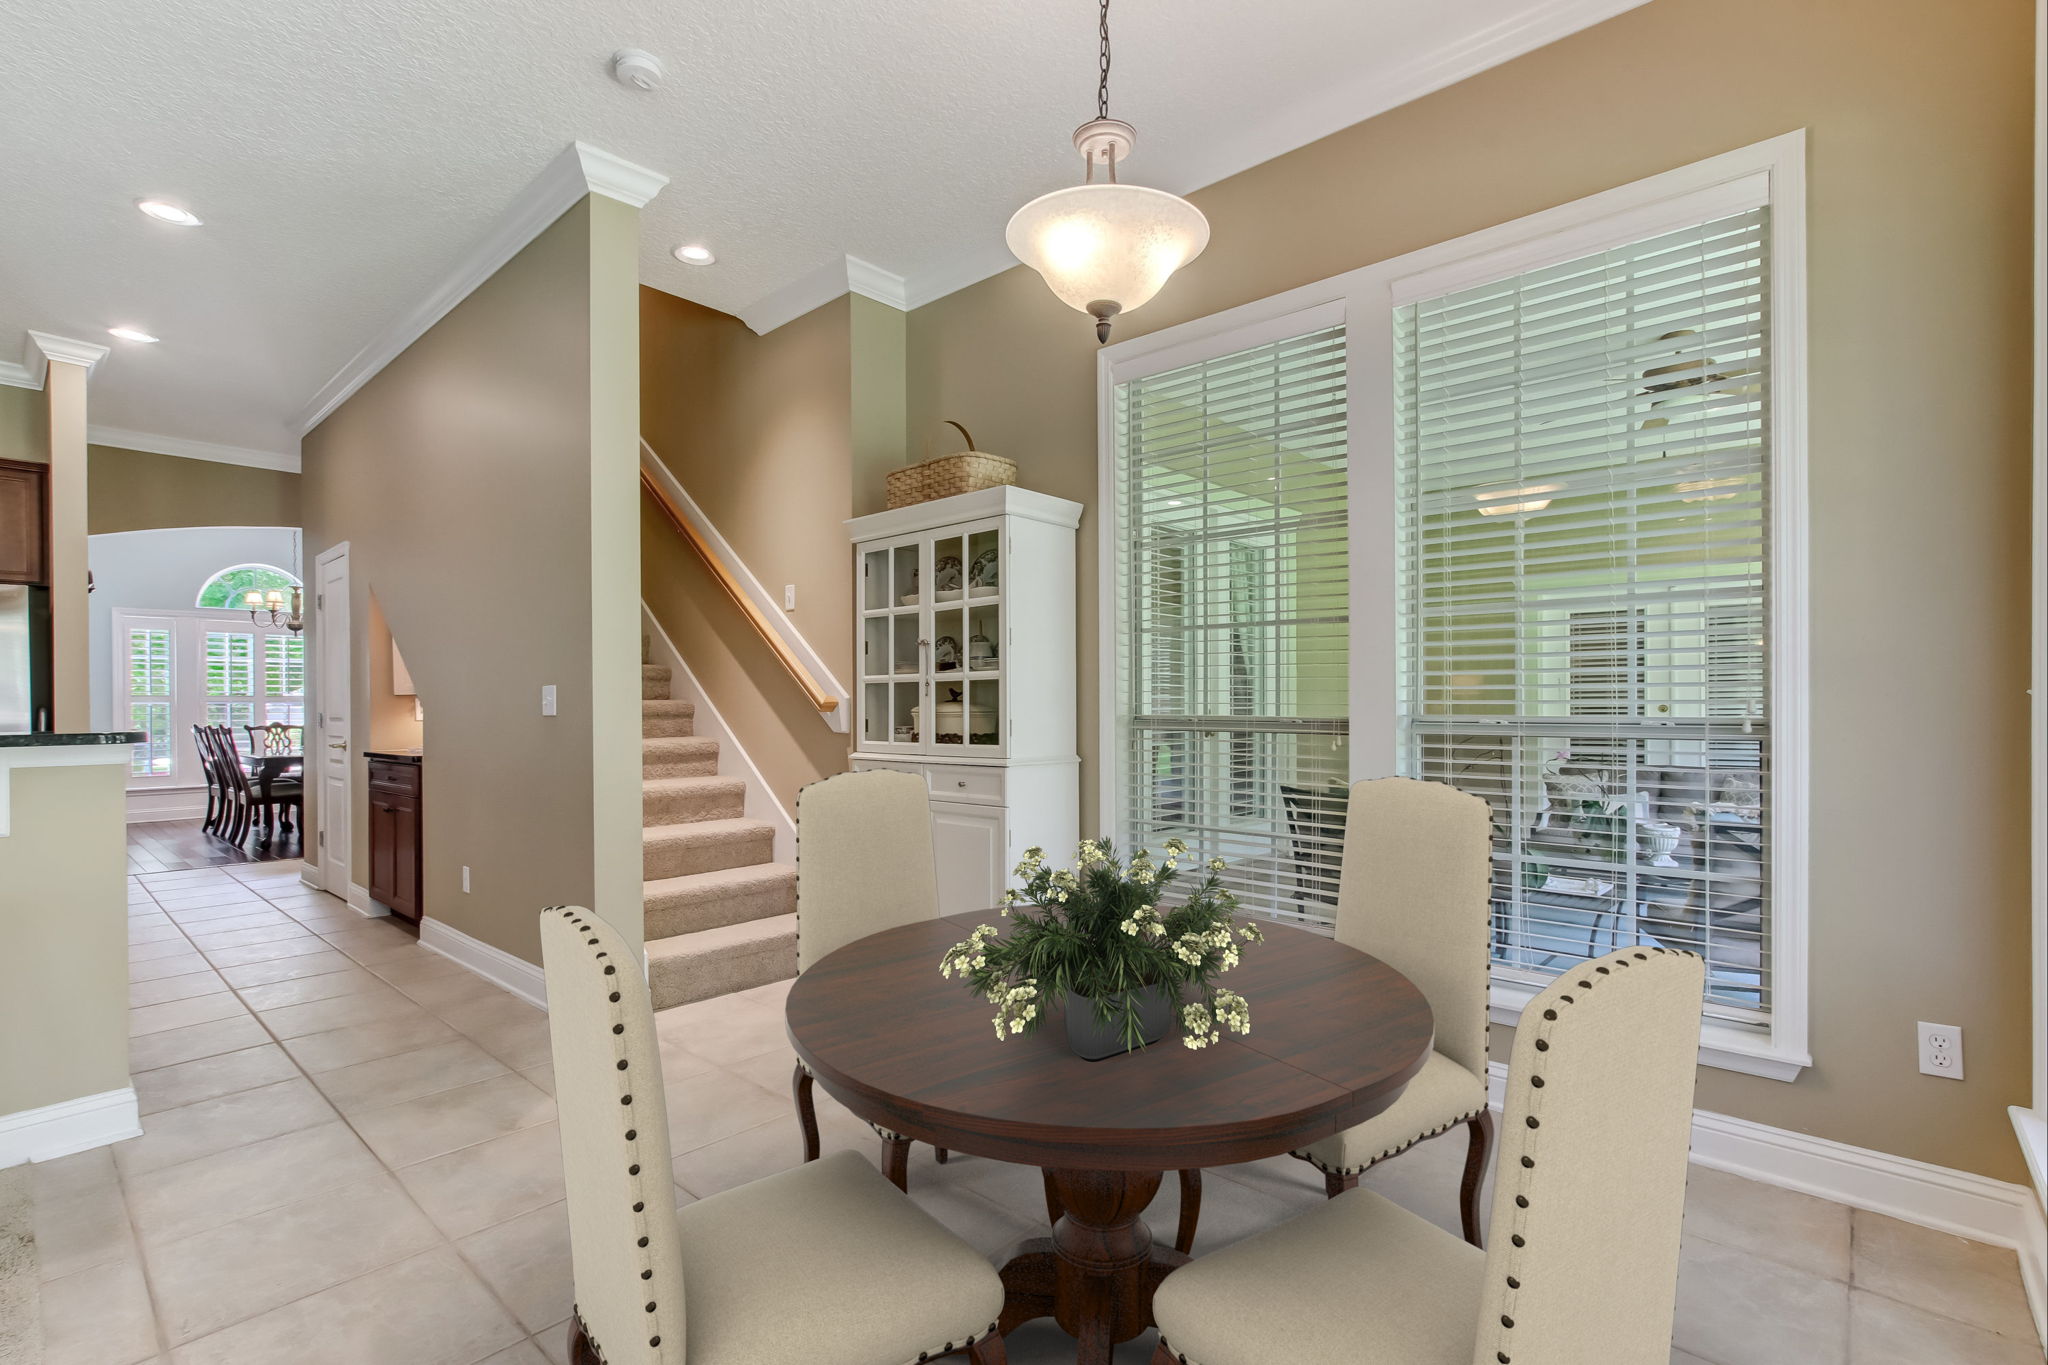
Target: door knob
column 343, row 745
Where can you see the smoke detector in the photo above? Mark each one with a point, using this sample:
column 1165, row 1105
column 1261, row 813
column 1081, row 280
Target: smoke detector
column 636, row 69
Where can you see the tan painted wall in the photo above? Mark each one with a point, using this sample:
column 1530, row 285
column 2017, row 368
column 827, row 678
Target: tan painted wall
column 135, row 490
column 1919, row 122
column 64, row 398
column 467, row 481
column 63, row 936
column 758, row 430
column 22, row 435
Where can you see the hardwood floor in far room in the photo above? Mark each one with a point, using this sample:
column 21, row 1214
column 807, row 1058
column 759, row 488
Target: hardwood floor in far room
column 179, row 845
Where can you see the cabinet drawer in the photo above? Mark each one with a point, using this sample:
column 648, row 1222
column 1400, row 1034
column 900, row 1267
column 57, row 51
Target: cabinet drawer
column 959, row 782
column 395, row 777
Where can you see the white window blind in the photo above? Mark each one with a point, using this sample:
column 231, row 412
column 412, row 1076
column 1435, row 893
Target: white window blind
column 1232, row 575
column 150, row 697
column 1581, row 462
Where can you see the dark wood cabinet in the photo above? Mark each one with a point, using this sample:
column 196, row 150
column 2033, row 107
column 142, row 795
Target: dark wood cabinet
column 395, row 860
column 24, row 523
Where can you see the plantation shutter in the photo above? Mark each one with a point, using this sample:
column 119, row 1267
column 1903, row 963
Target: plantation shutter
column 1232, row 576
column 150, row 697
column 1581, row 466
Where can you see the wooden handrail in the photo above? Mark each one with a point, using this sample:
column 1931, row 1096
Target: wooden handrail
column 777, row 646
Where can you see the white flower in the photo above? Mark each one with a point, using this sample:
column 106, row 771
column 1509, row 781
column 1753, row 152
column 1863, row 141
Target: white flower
column 1217, row 864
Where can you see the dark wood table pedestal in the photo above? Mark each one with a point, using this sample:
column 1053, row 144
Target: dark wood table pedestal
column 1095, row 1275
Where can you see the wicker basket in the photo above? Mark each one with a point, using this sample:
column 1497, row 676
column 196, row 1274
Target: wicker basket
column 969, row 471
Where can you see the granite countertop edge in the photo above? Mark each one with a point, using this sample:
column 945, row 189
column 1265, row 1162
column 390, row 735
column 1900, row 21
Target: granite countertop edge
column 46, row 740
column 389, row 757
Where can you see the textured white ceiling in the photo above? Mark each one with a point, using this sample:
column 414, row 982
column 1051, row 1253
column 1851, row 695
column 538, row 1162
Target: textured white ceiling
column 347, row 156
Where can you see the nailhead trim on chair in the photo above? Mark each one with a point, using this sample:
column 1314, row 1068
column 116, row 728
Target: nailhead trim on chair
column 1390, row 1152
column 948, row 1348
column 1534, row 1122
column 632, row 1134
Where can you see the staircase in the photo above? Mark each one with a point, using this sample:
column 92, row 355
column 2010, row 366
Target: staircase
column 721, row 912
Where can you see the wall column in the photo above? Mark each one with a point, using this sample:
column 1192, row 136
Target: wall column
column 64, row 398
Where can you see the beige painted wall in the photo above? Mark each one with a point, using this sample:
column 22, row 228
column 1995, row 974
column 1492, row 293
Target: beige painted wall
column 488, row 507
column 136, row 490
column 392, row 726
column 21, row 424
column 758, row 430
column 1919, row 123
column 63, row 936
column 64, row 398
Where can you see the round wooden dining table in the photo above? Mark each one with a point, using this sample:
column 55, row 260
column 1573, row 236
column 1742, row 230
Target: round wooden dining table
column 1336, row 1035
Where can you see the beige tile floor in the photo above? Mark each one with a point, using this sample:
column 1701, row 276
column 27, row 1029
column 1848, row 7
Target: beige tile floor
column 350, row 1156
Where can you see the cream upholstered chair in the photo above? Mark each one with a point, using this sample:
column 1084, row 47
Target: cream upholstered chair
column 1415, row 893
column 864, row 863
column 1583, row 1264
column 826, row 1262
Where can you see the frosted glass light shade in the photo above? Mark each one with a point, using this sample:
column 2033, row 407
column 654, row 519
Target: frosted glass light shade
column 1107, row 243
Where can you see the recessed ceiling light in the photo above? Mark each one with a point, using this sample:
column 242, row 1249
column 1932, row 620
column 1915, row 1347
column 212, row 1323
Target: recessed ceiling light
column 694, row 254
column 130, row 334
column 168, row 213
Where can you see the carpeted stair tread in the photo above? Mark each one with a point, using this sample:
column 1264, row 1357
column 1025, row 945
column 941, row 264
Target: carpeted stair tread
column 710, row 900
column 677, row 800
column 654, row 679
column 704, row 846
column 733, row 957
column 678, row 756
column 661, row 718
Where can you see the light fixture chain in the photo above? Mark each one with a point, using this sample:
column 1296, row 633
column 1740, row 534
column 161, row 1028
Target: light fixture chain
column 1102, row 88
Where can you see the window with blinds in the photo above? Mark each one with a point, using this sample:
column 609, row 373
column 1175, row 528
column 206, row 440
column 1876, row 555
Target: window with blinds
column 1233, row 584
column 1581, row 458
column 149, row 699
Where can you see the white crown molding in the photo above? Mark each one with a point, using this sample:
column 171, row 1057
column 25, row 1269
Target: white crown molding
column 494, row 965
column 38, row 349
column 1371, row 93
column 183, row 449
column 579, row 170
column 870, row 281
column 68, row 349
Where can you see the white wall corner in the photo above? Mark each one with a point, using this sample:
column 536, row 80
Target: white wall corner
column 78, row 1125
column 579, row 169
column 494, row 965
column 797, row 298
column 148, row 442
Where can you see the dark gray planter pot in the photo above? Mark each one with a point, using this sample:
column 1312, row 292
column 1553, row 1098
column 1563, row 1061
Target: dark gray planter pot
column 1092, row 1041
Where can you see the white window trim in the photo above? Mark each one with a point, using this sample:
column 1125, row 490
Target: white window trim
column 1772, row 171
column 213, row 577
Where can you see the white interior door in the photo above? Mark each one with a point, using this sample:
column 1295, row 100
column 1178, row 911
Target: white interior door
column 331, row 768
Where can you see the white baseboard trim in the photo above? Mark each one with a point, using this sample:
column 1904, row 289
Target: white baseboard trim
column 1958, row 1202
column 73, row 1126
column 2033, row 1251
column 311, row 875
column 733, row 759
column 147, row 805
column 359, row 900
column 494, row 965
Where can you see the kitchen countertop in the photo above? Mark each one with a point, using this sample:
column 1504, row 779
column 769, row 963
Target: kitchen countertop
column 390, row 757
column 47, row 740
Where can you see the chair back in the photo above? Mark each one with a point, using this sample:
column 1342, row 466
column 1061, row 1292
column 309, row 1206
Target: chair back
column 1416, row 892
column 274, row 738
column 625, row 1249
column 864, row 859
column 1589, row 1190
column 228, row 759
column 207, row 766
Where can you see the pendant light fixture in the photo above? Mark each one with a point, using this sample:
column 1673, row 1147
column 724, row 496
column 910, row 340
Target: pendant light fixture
column 1104, row 247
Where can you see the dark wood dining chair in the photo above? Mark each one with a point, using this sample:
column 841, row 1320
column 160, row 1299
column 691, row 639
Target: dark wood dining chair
column 216, row 787
column 287, row 795
column 274, row 738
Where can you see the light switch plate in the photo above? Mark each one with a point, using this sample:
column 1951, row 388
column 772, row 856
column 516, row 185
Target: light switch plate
column 789, row 597
column 547, row 700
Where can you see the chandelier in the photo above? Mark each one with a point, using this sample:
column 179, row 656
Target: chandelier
column 1104, row 247
column 267, row 608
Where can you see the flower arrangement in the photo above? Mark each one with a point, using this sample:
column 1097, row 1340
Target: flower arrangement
column 1099, row 932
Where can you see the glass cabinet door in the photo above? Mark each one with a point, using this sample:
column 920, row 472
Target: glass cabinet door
column 892, row 645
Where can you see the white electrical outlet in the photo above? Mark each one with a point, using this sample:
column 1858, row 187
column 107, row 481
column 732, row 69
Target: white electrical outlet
column 547, row 700
column 1941, row 1050
column 789, row 597
column 465, row 879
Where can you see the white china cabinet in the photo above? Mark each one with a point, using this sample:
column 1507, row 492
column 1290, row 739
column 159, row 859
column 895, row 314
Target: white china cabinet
column 965, row 640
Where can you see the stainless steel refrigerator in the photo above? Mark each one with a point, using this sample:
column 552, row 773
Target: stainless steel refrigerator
column 24, row 658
